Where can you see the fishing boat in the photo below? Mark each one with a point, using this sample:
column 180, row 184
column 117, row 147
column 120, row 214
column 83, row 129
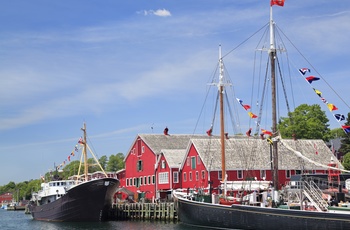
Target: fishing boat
column 269, row 212
column 80, row 199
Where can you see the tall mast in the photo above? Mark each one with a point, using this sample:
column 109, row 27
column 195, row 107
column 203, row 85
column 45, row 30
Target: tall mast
column 85, row 153
column 222, row 126
column 272, row 56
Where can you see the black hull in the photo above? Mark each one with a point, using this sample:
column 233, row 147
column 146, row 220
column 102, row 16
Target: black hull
column 251, row 217
column 89, row 201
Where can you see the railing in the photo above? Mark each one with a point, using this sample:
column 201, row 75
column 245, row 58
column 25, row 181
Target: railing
column 311, row 191
column 314, row 194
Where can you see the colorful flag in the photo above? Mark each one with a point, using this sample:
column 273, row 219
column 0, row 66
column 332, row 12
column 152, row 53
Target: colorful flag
column 339, row 117
column 304, row 70
column 252, row 115
column 264, row 131
column 68, row 158
column 80, row 140
column 324, row 100
column 318, row 92
column 332, row 107
column 310, row 79
column 209, row 131
column 269, row 141
column 277, row 2
column 249, row 132
column 246, row 107
column 346, row 128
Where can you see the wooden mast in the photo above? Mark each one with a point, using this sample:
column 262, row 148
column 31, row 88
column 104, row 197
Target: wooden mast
column 85, row 153
column 272, row 56
column 222, row 126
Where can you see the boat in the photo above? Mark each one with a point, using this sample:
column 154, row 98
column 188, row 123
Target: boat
column 269, row 213
column 74, row 200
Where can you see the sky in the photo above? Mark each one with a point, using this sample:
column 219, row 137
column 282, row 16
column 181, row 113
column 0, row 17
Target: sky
column 131, row 67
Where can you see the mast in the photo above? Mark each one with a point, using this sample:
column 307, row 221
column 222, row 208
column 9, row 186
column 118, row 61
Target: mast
column 272, row 56
column 85, row 153
column 222, row 126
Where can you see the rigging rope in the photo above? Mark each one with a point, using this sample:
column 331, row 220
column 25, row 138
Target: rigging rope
column 299, row 154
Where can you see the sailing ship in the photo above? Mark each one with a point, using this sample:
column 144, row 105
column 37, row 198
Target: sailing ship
column 229, row 213
column 79, row 199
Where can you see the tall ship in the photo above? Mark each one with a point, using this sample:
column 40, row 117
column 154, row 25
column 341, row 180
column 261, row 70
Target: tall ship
column 262, row 206
column 82, row 198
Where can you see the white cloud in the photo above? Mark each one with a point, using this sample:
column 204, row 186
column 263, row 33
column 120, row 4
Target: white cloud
column 159, row 12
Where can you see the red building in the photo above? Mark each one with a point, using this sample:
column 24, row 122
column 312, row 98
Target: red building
column 157, row 164
column 148, row 169
column 247, row 159
column 6, row 198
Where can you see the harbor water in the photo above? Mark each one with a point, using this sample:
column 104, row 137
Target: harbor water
column 13, row 220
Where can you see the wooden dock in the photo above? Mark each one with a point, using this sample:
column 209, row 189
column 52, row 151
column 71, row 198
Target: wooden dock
column 144, row 211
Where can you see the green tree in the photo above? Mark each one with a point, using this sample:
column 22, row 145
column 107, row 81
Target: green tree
column 103, row 161
column 115, row 162
column 306, row 122
column 71, row 169
column 346, row 161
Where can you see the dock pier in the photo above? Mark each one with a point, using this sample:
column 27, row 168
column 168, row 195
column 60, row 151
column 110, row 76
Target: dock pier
column 144, row 211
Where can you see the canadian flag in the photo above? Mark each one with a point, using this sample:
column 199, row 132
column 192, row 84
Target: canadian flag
column 277, row 2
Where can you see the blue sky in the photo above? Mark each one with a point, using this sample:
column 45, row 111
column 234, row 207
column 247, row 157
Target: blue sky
column 126, row 66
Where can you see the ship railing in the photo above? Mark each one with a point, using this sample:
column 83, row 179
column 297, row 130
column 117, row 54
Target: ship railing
column 314, row 194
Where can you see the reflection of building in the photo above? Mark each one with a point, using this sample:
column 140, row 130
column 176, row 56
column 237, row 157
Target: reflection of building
column 6, row 198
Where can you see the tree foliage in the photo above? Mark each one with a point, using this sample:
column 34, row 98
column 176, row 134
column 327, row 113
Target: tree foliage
column 345, row 142
column 346, row 161
column 306, row 122
column 24, row 189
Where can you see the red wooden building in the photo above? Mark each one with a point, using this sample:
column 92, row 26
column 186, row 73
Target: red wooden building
column 6, row 198
column 156, row 164
column 147, row 174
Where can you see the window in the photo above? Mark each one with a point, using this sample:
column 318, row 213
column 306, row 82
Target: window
column 163, row 178
column 287, row 173
column 163, row 164
column 141, row 180
column 193, row 162
column 188, row 161
column 139, row 165
column 197, row 176
column 220, row 175
column 297, row 172
column 203, row 174
column 145, row 180
column 239, row 174
column 134, row 181
column 153, row 179
column 198, row 160
column 190, row 177
column 149, row 179
column 262, row 174
column 185, row 177
column 143, row 149
column 127, row 182
column 176, row 177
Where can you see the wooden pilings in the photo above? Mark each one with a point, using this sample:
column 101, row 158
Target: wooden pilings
column 144, row 211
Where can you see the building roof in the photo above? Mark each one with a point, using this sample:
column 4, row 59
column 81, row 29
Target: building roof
column 253, row 153
column 157, row 142
column 174, row 157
